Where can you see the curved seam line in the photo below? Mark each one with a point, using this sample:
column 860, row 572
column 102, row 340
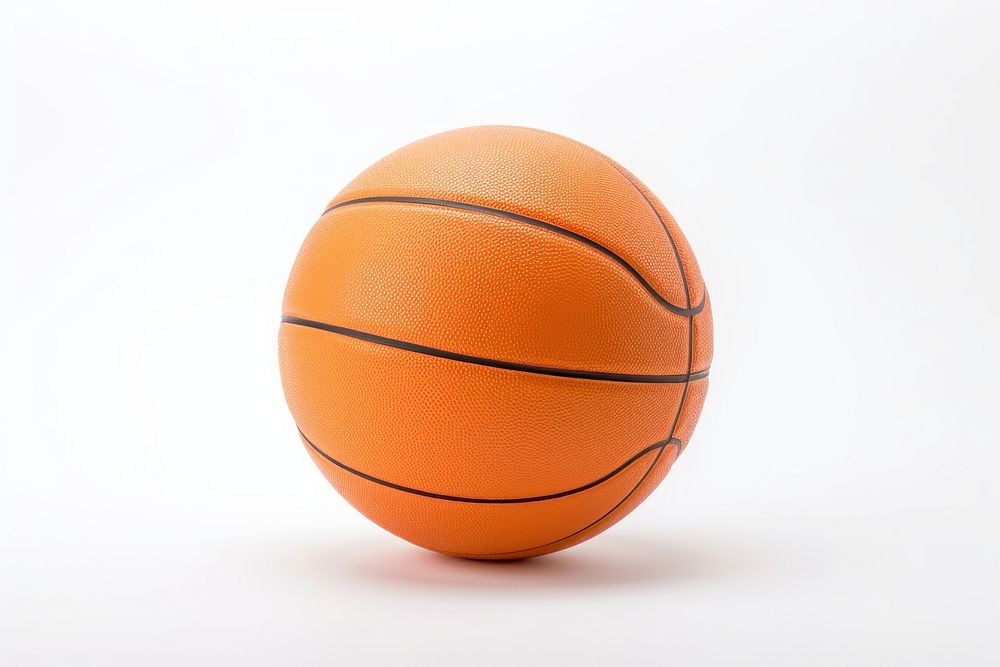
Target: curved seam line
column 492, row 363
column 670, row 237
column 593, row 523
column 447, row 203
column 680, row 403
column 494, row 501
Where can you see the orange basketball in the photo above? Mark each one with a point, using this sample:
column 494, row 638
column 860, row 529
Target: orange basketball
column 495, row 342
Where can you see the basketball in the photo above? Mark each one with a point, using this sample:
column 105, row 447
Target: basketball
column 495, row 342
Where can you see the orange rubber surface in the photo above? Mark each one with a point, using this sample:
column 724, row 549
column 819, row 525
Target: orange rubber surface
column 495, row 342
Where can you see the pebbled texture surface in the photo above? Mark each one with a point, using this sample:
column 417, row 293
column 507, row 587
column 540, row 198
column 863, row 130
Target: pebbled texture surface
column 391, row 427
column 481, row 285
column 463, row 429
column 537, row 174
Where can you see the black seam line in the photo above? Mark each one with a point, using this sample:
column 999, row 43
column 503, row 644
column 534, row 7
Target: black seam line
column 492, row 363
column 670, row 238
column 492, row 501
column 537, row 223
column 680, row 403
column 652, row 465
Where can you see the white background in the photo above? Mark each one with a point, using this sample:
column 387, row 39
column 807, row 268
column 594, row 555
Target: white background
column 834, row 165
